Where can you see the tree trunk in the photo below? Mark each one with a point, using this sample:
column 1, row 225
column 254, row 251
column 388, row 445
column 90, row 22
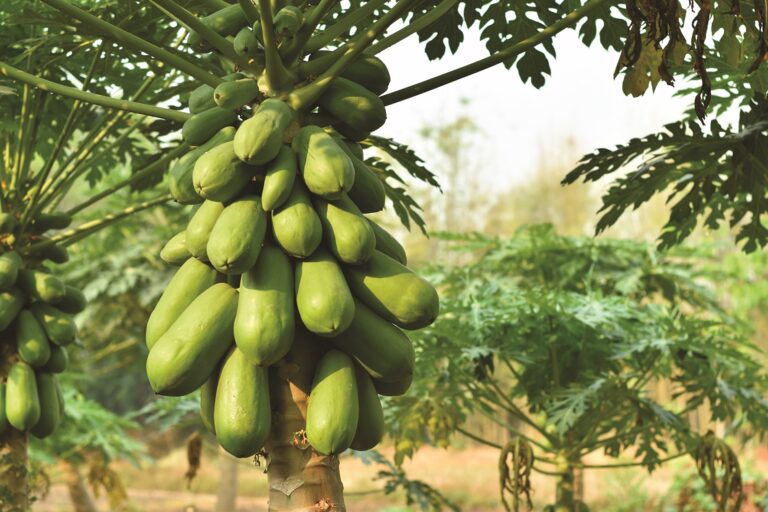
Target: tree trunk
column 78, row 493
column 14, row 491
column 226, row 494
column 565, row 493
column 300, row 479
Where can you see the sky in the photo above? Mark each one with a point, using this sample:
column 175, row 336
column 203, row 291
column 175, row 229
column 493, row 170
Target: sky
column 581, row 101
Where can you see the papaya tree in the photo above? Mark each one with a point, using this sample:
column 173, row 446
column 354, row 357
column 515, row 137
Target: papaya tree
column 281, row 274
column 576, row 347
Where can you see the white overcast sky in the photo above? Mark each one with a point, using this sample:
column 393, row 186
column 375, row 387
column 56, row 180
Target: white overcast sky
column 581, row 100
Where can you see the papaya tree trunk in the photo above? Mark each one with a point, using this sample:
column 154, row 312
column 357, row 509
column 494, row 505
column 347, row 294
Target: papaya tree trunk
column 565, row 492
column 300, row 479
column 226, row 493
column 78, row 492
column 14, row 490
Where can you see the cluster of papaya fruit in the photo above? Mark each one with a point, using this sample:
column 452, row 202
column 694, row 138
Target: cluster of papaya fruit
column 279, row 252
column 36, row 310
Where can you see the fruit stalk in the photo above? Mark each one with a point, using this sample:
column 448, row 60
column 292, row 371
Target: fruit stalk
column 13, row 449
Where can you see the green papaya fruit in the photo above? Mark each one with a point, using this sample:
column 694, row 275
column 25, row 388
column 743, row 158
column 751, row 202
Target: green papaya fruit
column 73, row 301
column 219, row 175
column 279, row 178
column 31, row 341
column 180, row 175
column 368, row 190
column 225, row 22
column 10, row 263
column 184, row 357
column 234, row 76
column 323, row 299
column 287, row 21
column 387, row 244
column 264, row 324
column 45, row 221
column 354, row 105
column 259, row 139
column 382, row 349
column 175, row 251
column 59, row 360
column 296, row 225
column 60, row 328
column 393, row 388
column 325, row 167
column 370, row 423
column 333, row 409
column 233, row 95
column 200, row 226
column 11, row 302
column 394, row 291
column 3, row 417
column 242, row 414
column 54, row 253
column 347, row 233
column 22, row 405
column 41, row 285
column 204, row 125
column 353, row 149
column 353, row 134
column 366, row 70
column 246, row 44
column 8, row 223
column 207, row 401
column 237, row 236
column 201, row 99
column 191, row 280
column 50, row 411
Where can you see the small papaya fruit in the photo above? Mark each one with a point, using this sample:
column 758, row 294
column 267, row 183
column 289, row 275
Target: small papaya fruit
column 200, row 226
column 323, row 299
column 31, row 341
column 175, row 251
column 354, row 105
column 236, row 238
column 370, row 423
column 201, row 99
column 325, row 167
column 279, row 178
column 3, row 418
column 10, row 263
column 347, row 233
column 225, row 22
column 41, row 285
column 50, row 410
column 259, row 139
column 288, row 21
column 219, row 175
column 45, row 221
column 22, row 404
column 59, row 360
column 233, row 95
column 245, row 43
column 73, row 302
column 394, row 387
column 204, row 125
column 296, row 225
column 59, row 326
column 180, row 175
column 207, row 401
column 11, row 302
column 387, row 244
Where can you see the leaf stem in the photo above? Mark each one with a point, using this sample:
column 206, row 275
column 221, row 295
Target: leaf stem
column 497, row 58
column 250, row 11
column 89, row 97
column 278, row 77
column 411, row 28
column 136, row 43
column 310, row 24
column 347, row 22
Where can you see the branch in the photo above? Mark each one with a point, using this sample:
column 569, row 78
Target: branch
column 136, row 43
column 429, row 18
column 89, row 97
column 310, row 24
column 478, row 438
column 628, row 464
column 277, row 75
column 349, row 20
column 250, row 11
column 496, row 58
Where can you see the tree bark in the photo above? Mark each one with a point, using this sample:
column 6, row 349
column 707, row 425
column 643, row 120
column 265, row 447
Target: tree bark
column 226, row 493
column 300, row 479
column 78, row 493
column 565, row 495
column 14, row 490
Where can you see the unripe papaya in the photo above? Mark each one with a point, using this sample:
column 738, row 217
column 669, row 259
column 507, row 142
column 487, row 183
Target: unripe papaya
column 394, row 291
column 50, row 410
column 201, row 99
column 186, row 355
column 41, row 285
column 59, row 326
column 225, row 22
column 180, row 183
column 207, row 401
column 191, row 280
column 11, row 302
column 3, row 417
column 323, row 298
column 259, row 139
column 73, row 301
column 393, row 388
column 387, row 244
column 264, row 325
column 354, row 105
column 219, row 175
column 22, row 405
column 333, row 409
column 31, row 342
column 368, row 190
column 295, row 224
column 245, row 43
column 175, row 251
column 325, row 167
column 237, row 236
column 59, row 360
column 366, row 70
column 382, row 349
column 370, row 424
column 233, row 95
column 287, row 21
column 8, row 223
column 200, row 226
column 347, row 233
column 45, row 221
column 10, row 263
column 204, row 125
column 55, row 253
column 242, row 414
column 279, row 178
